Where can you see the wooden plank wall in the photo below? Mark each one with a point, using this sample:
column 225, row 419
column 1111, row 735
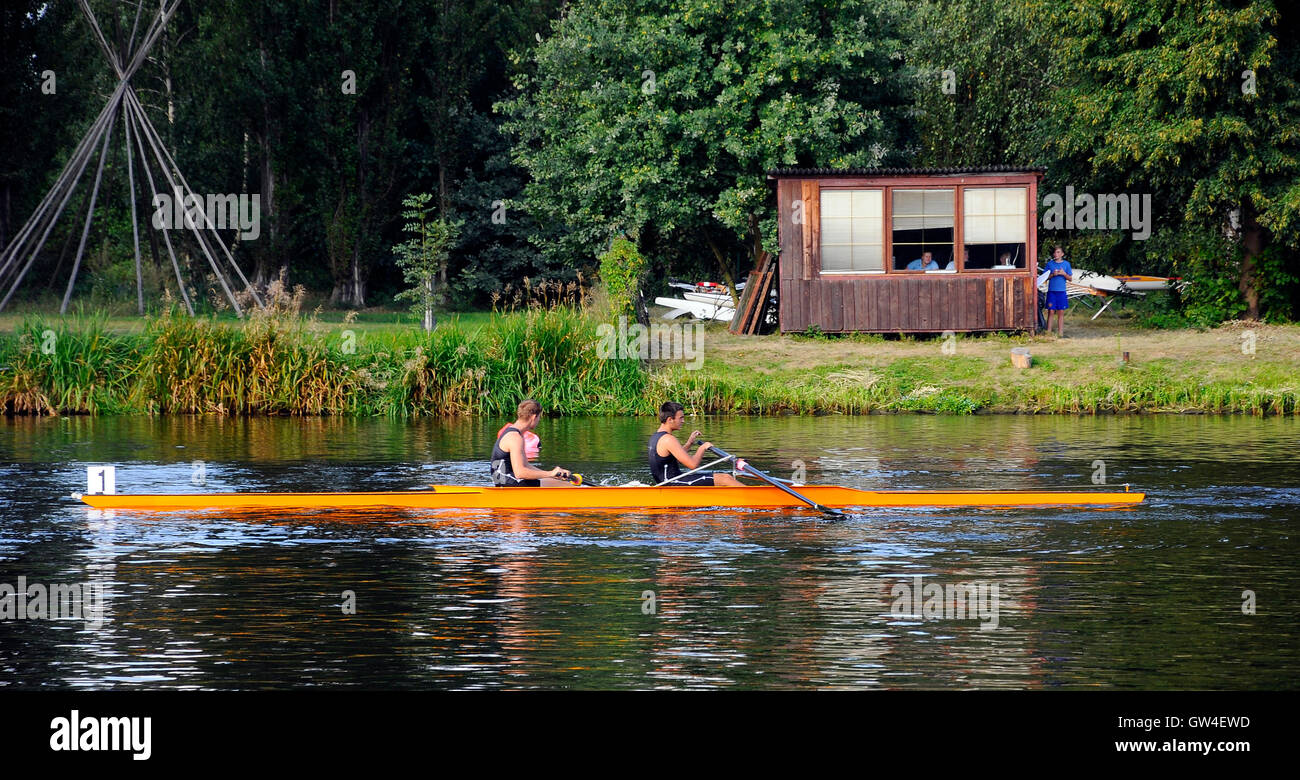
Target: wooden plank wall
column 888, row 304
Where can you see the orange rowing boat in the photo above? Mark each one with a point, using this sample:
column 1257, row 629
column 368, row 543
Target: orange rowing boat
column 622, row 498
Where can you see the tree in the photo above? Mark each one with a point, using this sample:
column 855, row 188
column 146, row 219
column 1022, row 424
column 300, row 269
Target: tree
column 423, row 257
column 1196, row 102
column 458, row 149
column 981, row 69
column 659, row 120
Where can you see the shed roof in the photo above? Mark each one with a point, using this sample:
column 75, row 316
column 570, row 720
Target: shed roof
column 806, row 172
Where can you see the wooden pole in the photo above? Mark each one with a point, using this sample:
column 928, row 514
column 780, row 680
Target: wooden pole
column 53, row 220
column 229, row 257
column 184, row 192
column 90, row 214
column 180, row 282
column 64, row 186
column 67, row 181
column 130, row 195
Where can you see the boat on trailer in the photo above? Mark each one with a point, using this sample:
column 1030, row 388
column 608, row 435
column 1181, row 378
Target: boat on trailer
column 616, row 498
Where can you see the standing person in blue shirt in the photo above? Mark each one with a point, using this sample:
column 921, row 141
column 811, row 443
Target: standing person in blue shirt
column 1058, row 273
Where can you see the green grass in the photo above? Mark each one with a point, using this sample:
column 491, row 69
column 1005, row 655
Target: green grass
column 483, row 363
column 287, row 365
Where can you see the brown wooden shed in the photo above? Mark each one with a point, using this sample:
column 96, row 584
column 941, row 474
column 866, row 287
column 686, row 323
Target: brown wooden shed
column 912, row 250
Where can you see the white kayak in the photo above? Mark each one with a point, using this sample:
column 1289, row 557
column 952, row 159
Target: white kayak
column 1092, row 280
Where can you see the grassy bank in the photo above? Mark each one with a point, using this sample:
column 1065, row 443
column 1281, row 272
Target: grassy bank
column 1238, row 368
column 484, row 363
column 289, row 365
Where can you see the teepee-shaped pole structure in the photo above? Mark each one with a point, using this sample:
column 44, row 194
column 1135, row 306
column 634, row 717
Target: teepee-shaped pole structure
column 139, row 133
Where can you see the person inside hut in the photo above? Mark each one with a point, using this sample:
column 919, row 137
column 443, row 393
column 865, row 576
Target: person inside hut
column 924, row 263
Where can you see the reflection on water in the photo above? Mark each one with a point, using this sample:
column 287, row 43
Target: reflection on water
column 1149, row 597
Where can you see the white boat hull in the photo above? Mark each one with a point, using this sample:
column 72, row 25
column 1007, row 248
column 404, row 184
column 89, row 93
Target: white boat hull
column 700, row 310
column 717, row 299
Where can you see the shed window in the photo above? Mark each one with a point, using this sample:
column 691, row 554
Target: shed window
column 923, row 222
column 852, row 231
column 994, row 227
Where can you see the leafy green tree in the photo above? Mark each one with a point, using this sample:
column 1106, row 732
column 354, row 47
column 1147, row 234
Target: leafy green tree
column 423, row 256
column 457, row 147
column 1196, row 102
column 658, row 120
column 981, row 71
column 622, row 269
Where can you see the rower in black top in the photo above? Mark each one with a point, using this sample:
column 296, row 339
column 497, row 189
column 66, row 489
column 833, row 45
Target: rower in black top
column 667, row 456
column 510, row 466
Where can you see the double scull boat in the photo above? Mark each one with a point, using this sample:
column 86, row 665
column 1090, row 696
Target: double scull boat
column 619, row 498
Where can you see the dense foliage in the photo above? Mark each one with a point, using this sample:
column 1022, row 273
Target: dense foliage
column 622, row 269
column 548, row 128
column 658, row 119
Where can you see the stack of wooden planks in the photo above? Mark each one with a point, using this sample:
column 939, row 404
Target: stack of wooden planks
column 751, row 313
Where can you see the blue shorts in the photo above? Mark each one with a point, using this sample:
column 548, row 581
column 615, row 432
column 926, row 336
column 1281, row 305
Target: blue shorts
column 1057, row 300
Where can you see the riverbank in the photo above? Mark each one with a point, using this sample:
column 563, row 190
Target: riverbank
column 1237, row 368
column 482, row 364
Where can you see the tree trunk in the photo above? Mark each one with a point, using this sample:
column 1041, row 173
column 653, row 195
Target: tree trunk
column 5, row 216
column 1252, row 239
column 726, row 270
column 757, row 252
column 264, row 256
column 442, row 212
column 358, row 280
column 428, row 303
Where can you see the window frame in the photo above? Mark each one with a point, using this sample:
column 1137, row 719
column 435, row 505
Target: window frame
column 958, row 189
column 956, row 214
column 1028, row 227
column 821, row 234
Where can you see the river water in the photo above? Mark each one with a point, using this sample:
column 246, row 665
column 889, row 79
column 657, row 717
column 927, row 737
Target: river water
column 1195, row 589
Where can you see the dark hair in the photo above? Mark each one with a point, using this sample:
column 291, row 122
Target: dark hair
column 669, row 410
column 527, row 408
column 1058, row 246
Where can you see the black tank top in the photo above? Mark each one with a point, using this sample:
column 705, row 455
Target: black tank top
column 662, row 467
column 501, row 465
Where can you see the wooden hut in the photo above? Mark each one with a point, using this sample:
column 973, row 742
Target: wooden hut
column 919, row 250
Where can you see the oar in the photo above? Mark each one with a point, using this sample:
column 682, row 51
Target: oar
column 748, row 469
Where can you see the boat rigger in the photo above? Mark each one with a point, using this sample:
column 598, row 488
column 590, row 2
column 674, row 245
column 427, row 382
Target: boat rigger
column 616, row 498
